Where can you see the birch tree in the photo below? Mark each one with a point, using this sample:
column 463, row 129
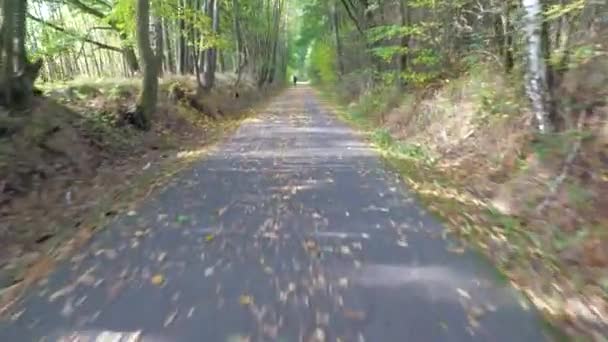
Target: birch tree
column 536, row 74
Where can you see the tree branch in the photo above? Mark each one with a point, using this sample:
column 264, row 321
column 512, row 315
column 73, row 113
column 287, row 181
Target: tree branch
column 87, row 9
column 104, row 3
column 352, row 17
column 61, row 29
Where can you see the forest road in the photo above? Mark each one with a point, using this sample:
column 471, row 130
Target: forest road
column 292, row 230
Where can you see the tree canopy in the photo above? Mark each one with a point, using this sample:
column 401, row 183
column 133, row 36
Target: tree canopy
column 405, row 43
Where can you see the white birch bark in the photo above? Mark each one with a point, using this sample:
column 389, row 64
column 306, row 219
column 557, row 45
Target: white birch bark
column 536, row 75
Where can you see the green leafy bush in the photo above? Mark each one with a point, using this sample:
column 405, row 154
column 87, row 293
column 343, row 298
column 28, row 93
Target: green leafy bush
column 322, row 63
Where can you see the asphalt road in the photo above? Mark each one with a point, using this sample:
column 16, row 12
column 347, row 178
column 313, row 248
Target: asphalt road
column 291, row 231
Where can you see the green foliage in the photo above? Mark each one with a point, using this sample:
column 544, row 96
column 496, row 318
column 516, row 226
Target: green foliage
column 556, row 11
column 426, row 57
column 53, row 43
column 387, row 53
column 492, row 103
column 371, row 104
column 382, row 138
column 419, row 78
column 386, row 32
column 322, row 67
column 123, row 17
column 101, row 126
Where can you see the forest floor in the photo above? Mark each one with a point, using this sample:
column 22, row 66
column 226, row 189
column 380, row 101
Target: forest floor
column 70, row 164
column 534, row 205
column 292, row 229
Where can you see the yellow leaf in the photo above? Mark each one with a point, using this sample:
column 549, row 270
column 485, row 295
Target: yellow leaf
column 157, row 279
column 245, row 300
column 209, row 237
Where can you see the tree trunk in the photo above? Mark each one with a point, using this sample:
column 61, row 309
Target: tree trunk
column 211, row 59
column 158, row 44
column 405, row 14
column 238, row 38
column 536, row 75
column 241, row 57
column 131, row 58
column 507, row 48
column 182, row 39
column 149, row 94
column 275, row 41
column 7, row 57
column 169, row 50
column 21, row 55
column 336, row 25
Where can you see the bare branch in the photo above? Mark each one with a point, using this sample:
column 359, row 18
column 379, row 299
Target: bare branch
column 352, row 17
column 66, row 31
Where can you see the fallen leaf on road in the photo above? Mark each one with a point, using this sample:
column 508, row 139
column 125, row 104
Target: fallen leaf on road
column 62, row 292
column 221, row 211
column 463, row 293
column 108, row 253
column 318, row 336
column 238, row 338
column 457, row 250
column 208, row 271
column 356, row 315
column 245, row 300
column 170, row 318
column 158, row 279
column 68, row 308
column 162, row 256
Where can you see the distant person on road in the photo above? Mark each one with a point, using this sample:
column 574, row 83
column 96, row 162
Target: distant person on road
column 295, row 80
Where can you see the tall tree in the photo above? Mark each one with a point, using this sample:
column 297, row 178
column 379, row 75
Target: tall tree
column 151, row 61
column 536, row 75
column 18, row 74
column 9, row 9
column 213, row 9
column 335, row 17
column 406, row 18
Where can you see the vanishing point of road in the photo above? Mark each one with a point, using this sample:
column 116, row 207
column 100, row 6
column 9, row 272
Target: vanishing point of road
column 292, row 230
